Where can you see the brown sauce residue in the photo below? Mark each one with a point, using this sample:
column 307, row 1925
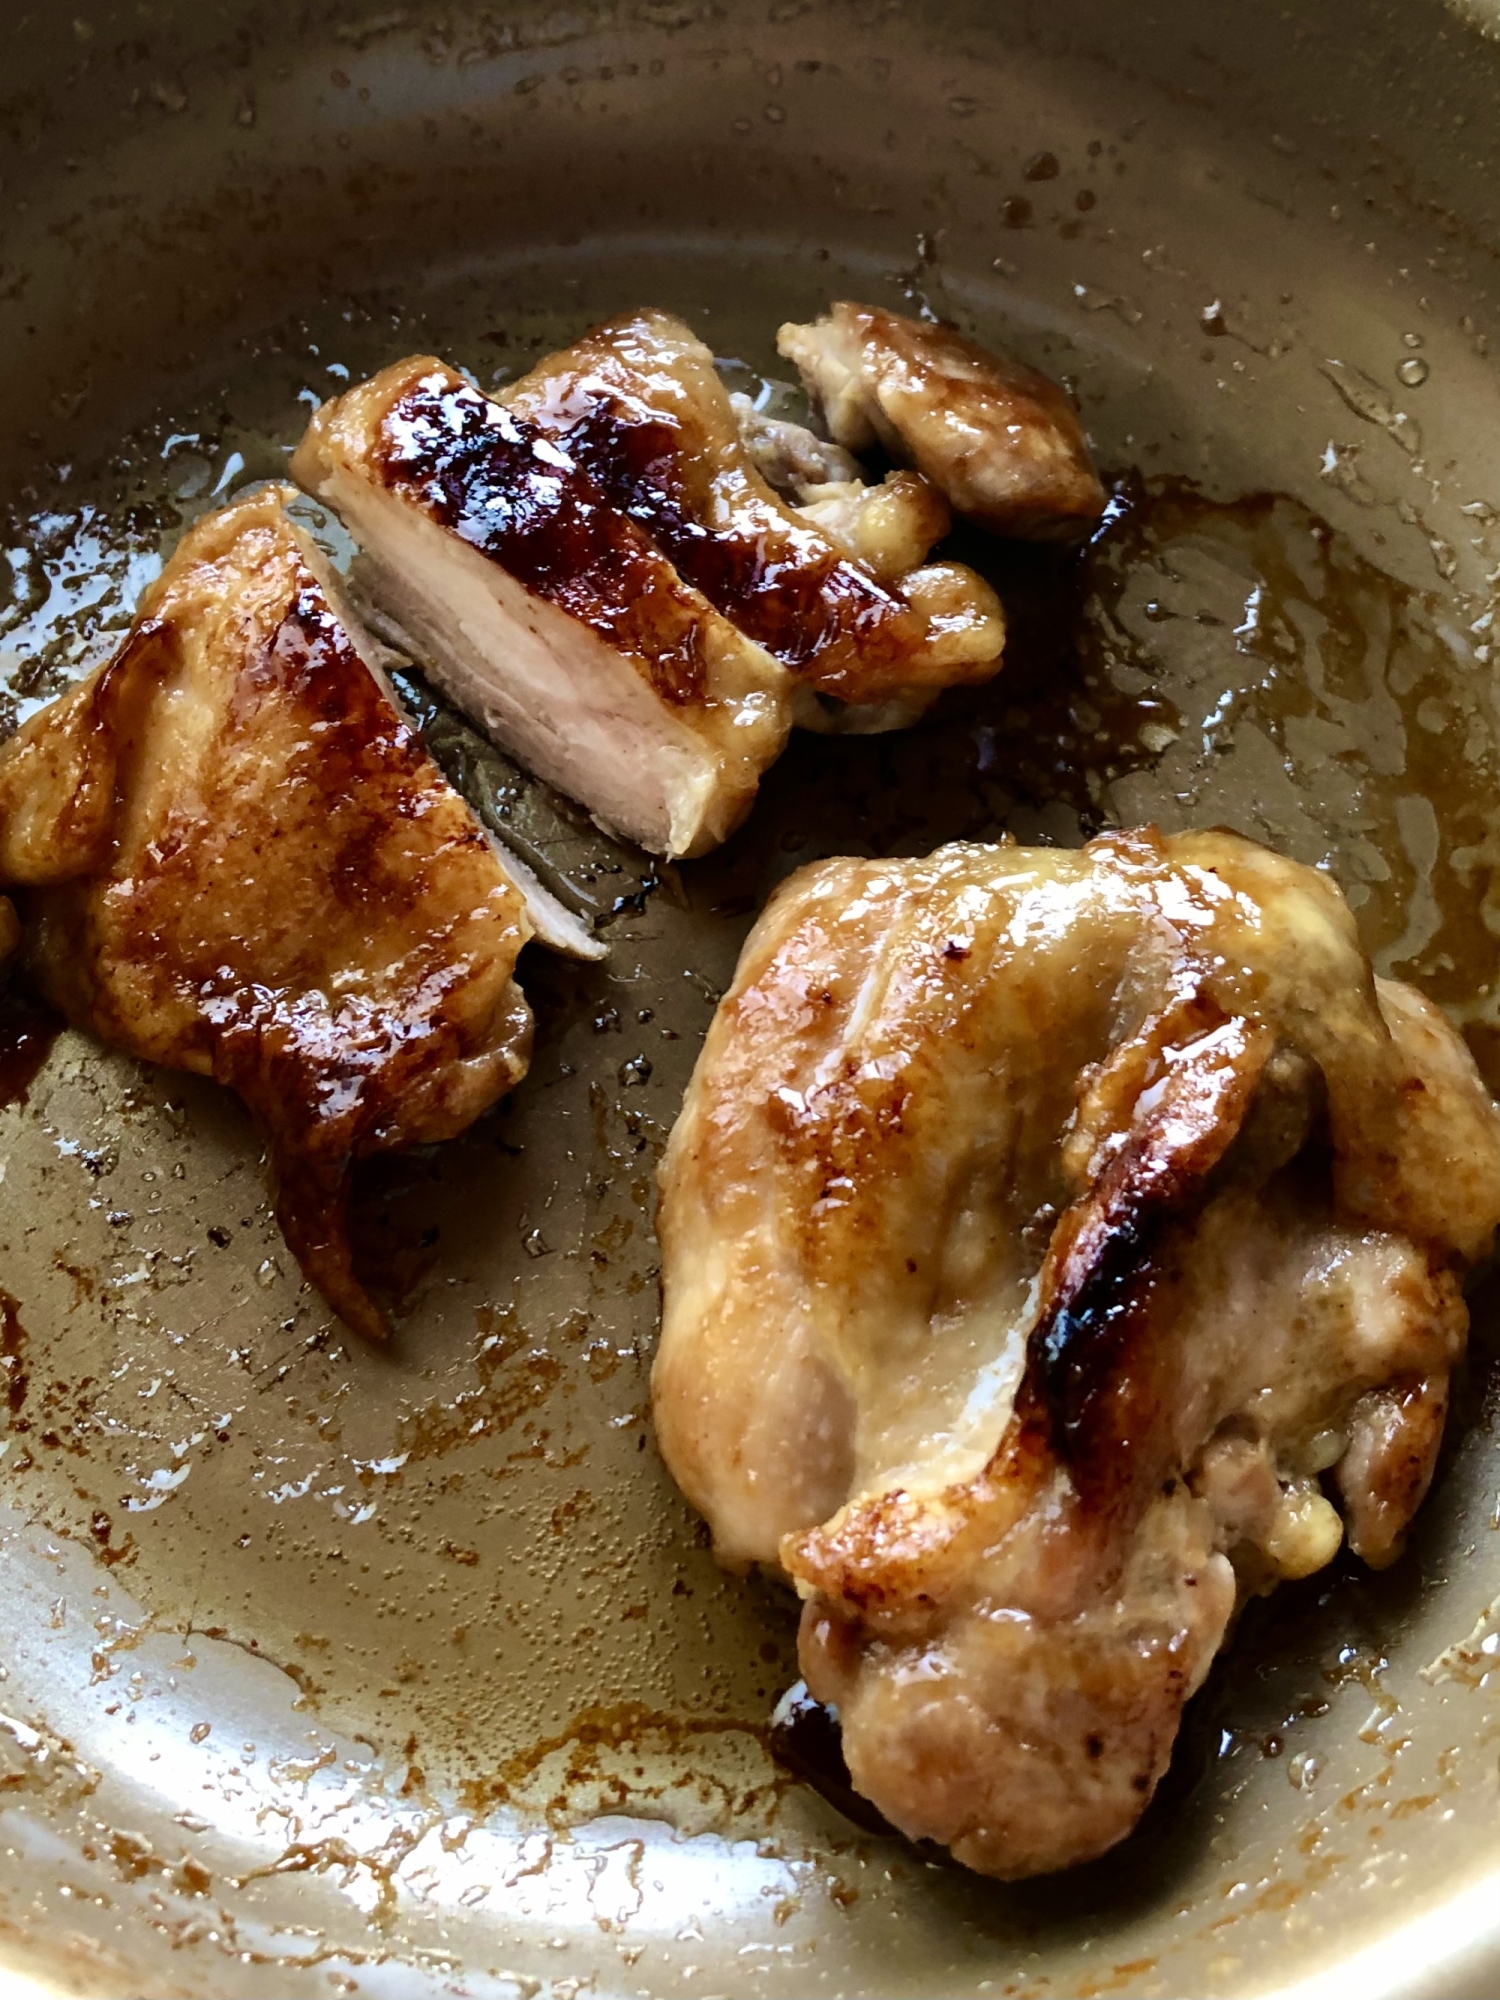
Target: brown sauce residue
column 27, row 1032
column 1239, row 663
column 627, row 1729
column 14, row 1377
column 1320, row 705
column 1199, row 663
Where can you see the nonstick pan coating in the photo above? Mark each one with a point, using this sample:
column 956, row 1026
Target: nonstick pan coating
column 329, row 1671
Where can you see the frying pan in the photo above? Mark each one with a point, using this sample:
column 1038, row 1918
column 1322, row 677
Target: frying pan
column 333, row 1671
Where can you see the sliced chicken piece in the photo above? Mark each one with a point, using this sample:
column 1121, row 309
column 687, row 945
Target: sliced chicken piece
column 547, row 615
column 1040, row 1229
column 853, row 615
column 999, row 440
column 232, row 856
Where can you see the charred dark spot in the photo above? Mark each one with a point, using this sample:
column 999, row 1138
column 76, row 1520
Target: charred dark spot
column 793, row 593
column 1094, row 1354
column 1094, row 1746
column 497, row 482
column 953, row 949
column 1077, row 1351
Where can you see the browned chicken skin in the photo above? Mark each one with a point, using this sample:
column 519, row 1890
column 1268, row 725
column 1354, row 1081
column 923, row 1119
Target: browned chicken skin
column 544, row 611
column 231, row 855
column 999, row 440
column 858, row 615
column 1040, row 1229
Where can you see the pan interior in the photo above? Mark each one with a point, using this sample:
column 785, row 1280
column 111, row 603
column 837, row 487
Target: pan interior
column 408, row 1671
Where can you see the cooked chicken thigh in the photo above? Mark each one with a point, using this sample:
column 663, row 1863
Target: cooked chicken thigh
column 232, row 856
column 999, row 440
column 548, row 616
column 855, row 612
column 1040, row 1231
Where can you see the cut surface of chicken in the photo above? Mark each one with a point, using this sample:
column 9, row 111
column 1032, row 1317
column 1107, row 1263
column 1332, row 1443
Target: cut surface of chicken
column 849, row 606
column 231, row 855
column 1000, row 440
column 1041, row 1230
column 543, row 611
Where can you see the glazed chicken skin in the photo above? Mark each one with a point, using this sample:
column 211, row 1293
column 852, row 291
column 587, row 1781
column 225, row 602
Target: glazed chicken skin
column 547, row 614
column 231, row 855
column 842, row 594
column 1043, row 1233
column 999, row 440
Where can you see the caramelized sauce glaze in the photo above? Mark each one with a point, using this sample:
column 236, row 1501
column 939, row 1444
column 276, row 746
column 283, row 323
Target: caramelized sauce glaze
column 27, row 1032
column 802, row 602
column 494, row 480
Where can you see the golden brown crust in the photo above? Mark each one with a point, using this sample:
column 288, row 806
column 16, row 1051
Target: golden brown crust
column 1072, row 1213
column 269, row 881
column 58, row 776
column 1000, row 440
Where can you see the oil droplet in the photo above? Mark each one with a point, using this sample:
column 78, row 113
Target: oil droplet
column 1414, row 371
column 199, row 1732
column 1411, row 340
column 1041, row 167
